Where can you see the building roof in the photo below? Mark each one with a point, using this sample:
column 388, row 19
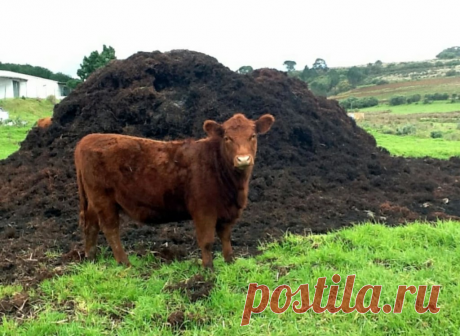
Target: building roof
column 20, row 77
column 12, row 75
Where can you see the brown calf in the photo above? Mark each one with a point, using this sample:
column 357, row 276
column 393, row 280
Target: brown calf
column 44, row 122
column 159, row 182
column 356, row 116
column 359, row 116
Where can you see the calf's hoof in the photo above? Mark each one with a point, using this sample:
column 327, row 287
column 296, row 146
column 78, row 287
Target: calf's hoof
column 208, row 266
column 123, row 261
column 91, row 254
column 229, row 259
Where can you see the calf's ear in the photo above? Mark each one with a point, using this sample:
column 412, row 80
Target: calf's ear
column 264, row 123
column 212, row 128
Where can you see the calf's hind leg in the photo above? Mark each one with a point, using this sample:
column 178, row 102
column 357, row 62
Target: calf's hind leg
column 109, row 222
column 90, row 226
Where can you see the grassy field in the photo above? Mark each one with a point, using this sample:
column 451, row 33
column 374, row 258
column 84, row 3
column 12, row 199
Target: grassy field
column 448, row 85
column 434, row 107
column 413, row 146
column 10, row 137
column 102, row 298
column 28, row 110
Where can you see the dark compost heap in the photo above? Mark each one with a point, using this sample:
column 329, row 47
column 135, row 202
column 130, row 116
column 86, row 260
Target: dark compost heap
column 316, row 170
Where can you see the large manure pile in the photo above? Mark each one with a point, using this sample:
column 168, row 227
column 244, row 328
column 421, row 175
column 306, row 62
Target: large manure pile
column 316, row 170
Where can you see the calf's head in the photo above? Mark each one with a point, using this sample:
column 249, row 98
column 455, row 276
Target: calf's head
column 238, row 137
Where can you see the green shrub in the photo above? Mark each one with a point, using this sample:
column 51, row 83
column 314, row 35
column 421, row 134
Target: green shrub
column 437, row 96
column 451, row 73
column 397, row 100
column 369, row 102
column 377, row 81
column 353, row 102
column 414, row 98
column 406, row 130
column 436, row 134
column 51, row 99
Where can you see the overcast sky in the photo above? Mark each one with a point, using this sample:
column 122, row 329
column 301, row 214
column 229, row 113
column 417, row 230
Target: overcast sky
column 58, row 34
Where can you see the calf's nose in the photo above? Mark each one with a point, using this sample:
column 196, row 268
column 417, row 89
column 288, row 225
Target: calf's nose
column 243, row 160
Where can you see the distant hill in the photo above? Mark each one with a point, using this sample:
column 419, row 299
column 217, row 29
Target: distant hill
column 429, row 85
column 404, row 71
column 337, row 81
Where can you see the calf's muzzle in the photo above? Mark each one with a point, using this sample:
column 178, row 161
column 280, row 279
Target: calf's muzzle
column 243, row 161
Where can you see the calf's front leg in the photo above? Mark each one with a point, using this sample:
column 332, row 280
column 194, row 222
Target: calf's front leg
column 224, row 233
column 205, row 227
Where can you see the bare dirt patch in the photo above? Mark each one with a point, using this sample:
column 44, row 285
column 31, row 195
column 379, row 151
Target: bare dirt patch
column 195, row 288
column 17, row 305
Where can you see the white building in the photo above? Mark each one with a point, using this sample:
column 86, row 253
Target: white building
column 16, row 85
column 4, row 115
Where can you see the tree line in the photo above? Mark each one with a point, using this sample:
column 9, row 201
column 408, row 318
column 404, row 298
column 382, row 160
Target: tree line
column 325, row 81
column 322, row 80
column 89, row 64
column 427, row 98
column 36, row 71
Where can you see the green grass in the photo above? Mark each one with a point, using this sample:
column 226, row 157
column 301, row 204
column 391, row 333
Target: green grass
column 29, row 110
column 412, row 146
column 10, row 137
column 102, row 298
column 435, row 107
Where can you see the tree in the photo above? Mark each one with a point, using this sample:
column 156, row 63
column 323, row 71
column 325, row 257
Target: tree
column 320, row 86
column 72, row 83
column 245, row 69
column 343, row 86
column 355, row 75
column 95, row 61
column 320, row 64
column 60, row 77
column 308, row 75
column 334, row 77
column 449, row 53
column 290, row 65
